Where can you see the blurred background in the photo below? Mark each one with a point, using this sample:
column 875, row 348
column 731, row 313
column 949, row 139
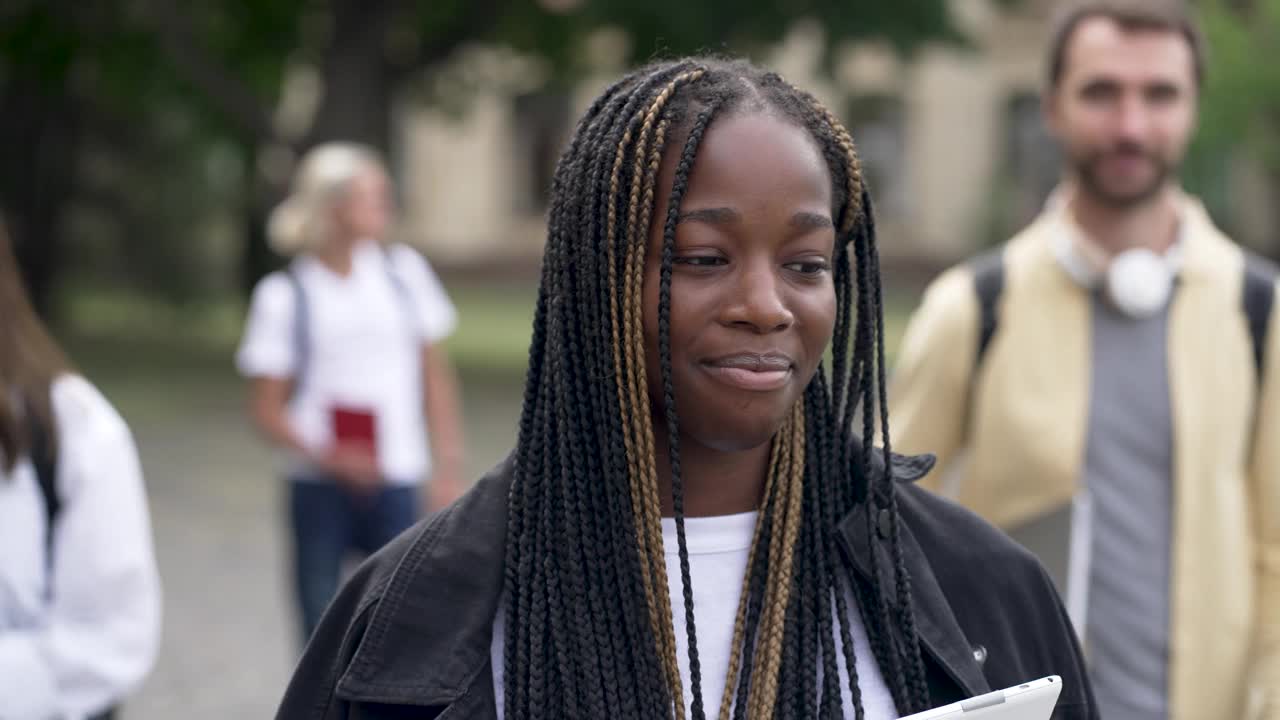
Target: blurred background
column 144, row 142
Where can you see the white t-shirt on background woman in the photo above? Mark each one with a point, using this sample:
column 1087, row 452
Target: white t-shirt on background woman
column 364, row 336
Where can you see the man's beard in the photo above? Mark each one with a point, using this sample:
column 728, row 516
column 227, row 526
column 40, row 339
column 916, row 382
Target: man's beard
column 1088, row 171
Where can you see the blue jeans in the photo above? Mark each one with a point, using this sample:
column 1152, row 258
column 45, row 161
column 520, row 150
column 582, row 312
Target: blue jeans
column 329, row 522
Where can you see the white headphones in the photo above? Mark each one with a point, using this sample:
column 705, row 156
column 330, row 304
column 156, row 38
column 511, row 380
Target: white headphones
column 1138, row 282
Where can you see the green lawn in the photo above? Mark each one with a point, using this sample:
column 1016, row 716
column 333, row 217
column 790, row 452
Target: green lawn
column 494, row 324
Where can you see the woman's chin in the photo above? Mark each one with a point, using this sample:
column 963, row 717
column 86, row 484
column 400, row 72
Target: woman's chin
column 738, row 435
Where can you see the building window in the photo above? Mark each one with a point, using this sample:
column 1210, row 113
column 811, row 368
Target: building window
column 541, row 128
column 1033, row 163
column 878, row 126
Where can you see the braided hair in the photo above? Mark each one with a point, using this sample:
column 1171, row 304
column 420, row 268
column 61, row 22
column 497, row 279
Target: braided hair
column 589, row 628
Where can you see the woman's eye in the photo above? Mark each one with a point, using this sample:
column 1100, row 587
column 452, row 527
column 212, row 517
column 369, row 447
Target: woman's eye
column 699, row 261
column 815, row 266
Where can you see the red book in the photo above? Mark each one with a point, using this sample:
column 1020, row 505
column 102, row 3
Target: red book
column 353, row 427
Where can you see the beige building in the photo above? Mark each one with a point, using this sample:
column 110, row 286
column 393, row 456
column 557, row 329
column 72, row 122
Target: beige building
column 951, row 139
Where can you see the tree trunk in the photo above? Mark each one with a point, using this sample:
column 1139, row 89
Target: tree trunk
column 357, row 79
column 257, row 259
column 40, row 129
column 355, row 107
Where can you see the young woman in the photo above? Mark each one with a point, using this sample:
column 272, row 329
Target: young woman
column 688, row 527
column 79, row 591
column 347, row 374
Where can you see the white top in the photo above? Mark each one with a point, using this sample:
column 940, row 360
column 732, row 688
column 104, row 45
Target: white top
column 364, row 349
column 718, row 549
column 80, row 639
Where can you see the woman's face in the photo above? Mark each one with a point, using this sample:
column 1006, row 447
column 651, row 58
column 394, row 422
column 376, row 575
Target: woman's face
column 364, row 211
column 753, row 303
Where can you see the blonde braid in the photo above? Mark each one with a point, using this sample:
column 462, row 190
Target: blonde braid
column 788, row 516
column 644, row 482
column 845, row 141
column 626, row 400
column 740, row 621
column 629, row 364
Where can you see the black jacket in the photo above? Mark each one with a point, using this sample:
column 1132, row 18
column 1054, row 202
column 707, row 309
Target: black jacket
column 409, row 635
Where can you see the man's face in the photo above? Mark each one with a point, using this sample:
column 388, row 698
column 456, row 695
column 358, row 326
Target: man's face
column 1124, row 109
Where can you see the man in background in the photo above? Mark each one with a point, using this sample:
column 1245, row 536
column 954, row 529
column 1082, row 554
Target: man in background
column 1115, row 364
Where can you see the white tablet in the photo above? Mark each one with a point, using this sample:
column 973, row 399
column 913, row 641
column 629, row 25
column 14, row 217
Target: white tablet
column 1029, row 701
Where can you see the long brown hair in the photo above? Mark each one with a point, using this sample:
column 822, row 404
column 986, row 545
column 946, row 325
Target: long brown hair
column 30, row 359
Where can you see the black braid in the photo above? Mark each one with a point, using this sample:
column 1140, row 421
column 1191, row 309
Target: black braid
column 873, row 505
column 840, row 368
column 575, row 642
column 655, row 699
column 755, row 603
column 673, row 428
column 627, row 120
column 815, row 621
column 515, row 690
column 833, row 588
column 906, row 614
column 790, row 669
column 593, row 629
column 554, row 280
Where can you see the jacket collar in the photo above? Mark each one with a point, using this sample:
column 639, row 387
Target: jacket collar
column 410, row 656
column 936, row 624
column 1200, row 246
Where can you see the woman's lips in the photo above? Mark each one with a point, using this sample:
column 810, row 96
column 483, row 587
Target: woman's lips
column 755, row 372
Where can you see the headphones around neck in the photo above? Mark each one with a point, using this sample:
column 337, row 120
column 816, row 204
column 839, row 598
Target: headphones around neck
column 1137, row 282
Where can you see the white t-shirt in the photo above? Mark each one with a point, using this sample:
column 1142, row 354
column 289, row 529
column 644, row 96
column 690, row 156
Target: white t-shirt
column 718, row 548
column 78, row 631
column 364, row 344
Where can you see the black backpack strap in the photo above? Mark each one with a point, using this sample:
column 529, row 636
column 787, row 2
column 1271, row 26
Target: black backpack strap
column 1257, row 300
column 45, row 462
column 302, row 315
column 301, row 328
column 988, row 283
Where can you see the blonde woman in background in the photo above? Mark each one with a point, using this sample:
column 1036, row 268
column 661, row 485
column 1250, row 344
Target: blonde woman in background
column 342, row 350
column 79, row 590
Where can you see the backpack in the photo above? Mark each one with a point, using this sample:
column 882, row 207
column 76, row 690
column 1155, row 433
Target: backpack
column 1256, row 300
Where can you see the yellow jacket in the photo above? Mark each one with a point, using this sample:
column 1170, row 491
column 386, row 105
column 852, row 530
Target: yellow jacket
column 1021, row 420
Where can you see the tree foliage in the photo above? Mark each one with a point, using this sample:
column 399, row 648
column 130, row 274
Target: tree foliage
column 1240, row 106
column 134, row 122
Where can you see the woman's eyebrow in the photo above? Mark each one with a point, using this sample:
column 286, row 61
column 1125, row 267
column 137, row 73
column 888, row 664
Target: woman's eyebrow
column 711, row 216
column 811, row 221
column 725, row 215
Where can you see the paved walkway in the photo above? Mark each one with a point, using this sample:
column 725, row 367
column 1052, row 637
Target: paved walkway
column 228, row 643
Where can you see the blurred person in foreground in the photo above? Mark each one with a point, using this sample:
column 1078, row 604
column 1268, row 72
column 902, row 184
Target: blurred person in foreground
column 347, row 373
column 79, row 590
column 1119, row 358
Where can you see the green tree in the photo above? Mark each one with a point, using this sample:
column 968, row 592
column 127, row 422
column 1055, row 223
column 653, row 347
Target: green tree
column 98, row 126
column 1240, row 109
column 223, row 65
